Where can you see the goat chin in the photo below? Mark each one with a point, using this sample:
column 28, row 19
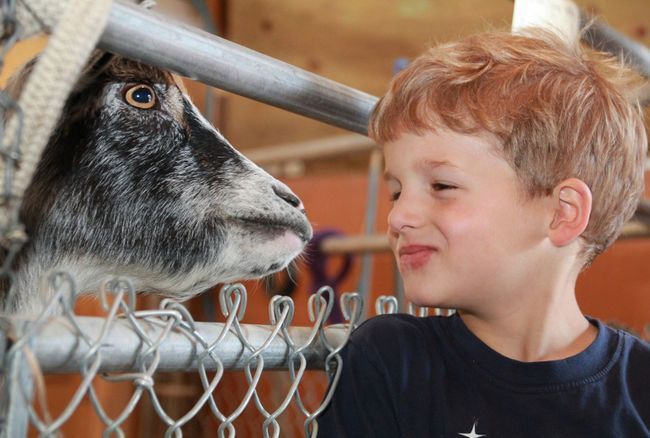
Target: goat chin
column 243, row 256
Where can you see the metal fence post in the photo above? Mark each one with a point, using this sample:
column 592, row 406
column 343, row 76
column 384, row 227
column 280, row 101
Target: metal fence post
column 17, row 386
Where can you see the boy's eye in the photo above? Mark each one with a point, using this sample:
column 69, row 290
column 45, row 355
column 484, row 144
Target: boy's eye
column 440, row 186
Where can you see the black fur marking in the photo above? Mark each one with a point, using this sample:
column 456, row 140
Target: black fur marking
column 210, row 151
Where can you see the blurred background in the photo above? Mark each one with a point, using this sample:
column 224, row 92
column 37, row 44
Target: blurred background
column 360, row 43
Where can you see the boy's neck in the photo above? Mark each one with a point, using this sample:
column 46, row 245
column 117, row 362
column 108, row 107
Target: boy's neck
column 534, row 340
column 543, row 324
column 540, row 325
column 544, row 342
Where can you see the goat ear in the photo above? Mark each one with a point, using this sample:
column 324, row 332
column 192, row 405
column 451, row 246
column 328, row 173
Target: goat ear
column 96, row 64
column 180, row 82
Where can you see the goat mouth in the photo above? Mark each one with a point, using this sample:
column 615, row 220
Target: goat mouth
column 303, row 231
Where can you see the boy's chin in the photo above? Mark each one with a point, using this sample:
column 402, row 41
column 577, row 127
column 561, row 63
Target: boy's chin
column 421, row 300
column 427, row 298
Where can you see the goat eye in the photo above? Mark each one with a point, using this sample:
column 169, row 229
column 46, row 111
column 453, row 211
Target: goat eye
column 140, row 96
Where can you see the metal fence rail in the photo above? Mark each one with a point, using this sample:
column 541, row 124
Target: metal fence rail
column 221, row 63
column 229, row 66
column 58, row 350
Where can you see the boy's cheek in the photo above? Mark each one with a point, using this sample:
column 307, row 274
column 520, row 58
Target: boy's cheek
column 392, row 241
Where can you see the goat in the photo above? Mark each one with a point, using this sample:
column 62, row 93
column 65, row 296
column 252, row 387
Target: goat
column 135, row 182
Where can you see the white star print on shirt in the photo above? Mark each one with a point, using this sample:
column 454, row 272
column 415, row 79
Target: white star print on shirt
column 473, row 433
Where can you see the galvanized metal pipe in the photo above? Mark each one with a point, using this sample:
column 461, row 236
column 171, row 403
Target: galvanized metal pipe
column 16, row 392
column 59, row 350
column 139, row 34
column 143, row 35
column 603, row 37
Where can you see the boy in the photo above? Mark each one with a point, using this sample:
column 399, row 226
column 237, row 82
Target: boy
column 512, row 161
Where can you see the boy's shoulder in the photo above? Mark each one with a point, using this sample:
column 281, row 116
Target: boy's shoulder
column 400, row 322
column 398, row 335
column 635, row 353
column 395, row 324
column 629, row 374
column 631, row 348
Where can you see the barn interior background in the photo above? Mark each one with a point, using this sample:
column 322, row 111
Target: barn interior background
column 358, row 43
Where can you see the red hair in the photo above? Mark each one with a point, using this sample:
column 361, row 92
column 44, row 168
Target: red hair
column 557, row 110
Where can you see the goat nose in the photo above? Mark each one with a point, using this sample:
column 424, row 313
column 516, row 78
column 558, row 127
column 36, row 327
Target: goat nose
column 288, row 197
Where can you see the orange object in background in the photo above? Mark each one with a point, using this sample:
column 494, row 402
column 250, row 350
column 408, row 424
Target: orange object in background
column 19, row 54
column 616, row 288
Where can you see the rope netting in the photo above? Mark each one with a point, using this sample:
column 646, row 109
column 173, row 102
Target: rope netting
column 74, row 27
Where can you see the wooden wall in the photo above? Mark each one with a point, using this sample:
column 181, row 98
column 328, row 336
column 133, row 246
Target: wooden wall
column 352, row 42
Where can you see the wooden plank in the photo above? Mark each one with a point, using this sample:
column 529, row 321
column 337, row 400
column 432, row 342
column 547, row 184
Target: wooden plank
column 312, row 149
column 379, row 242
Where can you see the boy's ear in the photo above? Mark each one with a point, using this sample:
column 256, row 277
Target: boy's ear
column 571, row 203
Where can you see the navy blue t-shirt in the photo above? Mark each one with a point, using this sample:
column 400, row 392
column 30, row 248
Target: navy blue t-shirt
column 404, row 376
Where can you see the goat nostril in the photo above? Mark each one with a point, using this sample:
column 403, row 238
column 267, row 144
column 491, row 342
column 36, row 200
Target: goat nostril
column 288, row 197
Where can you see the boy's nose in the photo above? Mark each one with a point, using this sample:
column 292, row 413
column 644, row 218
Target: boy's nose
column 402, row 216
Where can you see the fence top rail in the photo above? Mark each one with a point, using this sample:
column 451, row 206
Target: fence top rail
column 221, row 63
column 59, row 347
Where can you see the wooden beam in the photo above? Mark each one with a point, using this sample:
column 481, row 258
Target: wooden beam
column 312, row 149
column 635, row 229
column 355, row 244
column 377, row 243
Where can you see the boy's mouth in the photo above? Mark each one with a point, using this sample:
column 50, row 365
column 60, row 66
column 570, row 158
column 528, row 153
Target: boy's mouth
column 415, row 256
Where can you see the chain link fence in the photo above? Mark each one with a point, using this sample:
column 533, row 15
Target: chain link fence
column 132, row 345
column 136, row 346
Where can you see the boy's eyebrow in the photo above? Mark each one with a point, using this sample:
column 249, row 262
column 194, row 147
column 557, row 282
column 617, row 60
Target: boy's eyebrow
column 432, row 164
column 425, row 165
